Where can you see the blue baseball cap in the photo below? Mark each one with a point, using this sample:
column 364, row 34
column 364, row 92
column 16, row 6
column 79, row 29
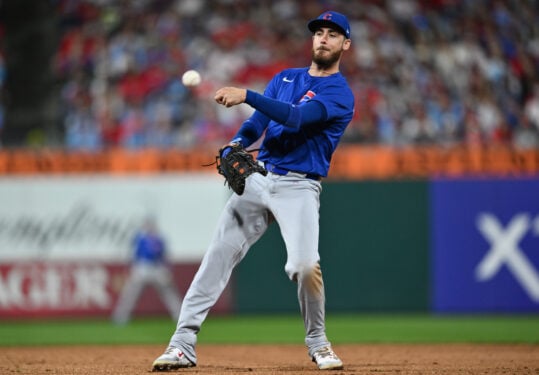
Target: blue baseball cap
column 334, row 20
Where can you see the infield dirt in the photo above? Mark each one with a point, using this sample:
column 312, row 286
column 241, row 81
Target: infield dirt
column 278, row 359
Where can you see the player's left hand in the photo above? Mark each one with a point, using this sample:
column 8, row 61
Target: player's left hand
column 230, row 96
column 236, row 164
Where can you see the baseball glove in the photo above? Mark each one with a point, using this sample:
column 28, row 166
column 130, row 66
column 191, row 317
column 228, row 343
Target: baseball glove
column 236, row 164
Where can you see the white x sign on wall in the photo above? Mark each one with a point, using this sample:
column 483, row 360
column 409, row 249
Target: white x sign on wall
column 505, row 250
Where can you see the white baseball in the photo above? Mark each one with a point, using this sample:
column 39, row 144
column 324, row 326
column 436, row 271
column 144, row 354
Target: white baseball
column 191, row 78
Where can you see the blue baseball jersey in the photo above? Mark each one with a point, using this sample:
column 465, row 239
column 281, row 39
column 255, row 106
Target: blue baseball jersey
column 149, row 248
column 309, row 148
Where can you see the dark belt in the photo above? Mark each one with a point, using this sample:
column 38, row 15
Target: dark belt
column 285, row 172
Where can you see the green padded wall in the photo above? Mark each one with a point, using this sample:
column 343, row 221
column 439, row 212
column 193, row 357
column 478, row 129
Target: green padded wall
column 373, row 248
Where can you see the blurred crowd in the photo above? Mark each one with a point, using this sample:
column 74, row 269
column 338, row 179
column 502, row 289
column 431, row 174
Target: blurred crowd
column 440, row 72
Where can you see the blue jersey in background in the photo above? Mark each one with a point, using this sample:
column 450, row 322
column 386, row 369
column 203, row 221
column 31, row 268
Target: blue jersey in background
column 149, row 248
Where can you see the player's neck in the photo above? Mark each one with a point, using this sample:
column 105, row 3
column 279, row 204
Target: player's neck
column 323, row 71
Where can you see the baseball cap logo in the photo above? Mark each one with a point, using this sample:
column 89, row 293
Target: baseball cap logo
column 334, row 20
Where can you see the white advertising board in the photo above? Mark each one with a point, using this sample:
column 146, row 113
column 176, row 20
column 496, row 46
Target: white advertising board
column 95, row 217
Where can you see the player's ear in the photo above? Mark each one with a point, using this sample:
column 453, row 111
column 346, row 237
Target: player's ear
column 346, row 44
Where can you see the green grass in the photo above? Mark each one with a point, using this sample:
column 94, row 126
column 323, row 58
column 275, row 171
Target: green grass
column 280, row 329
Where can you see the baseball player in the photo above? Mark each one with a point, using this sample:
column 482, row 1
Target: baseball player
column 302, row 115
column 149, row 268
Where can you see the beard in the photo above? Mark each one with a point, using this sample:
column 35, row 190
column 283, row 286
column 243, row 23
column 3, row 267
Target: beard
column 325, row 61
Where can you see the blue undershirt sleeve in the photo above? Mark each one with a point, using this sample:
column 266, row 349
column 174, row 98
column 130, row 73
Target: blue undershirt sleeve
column 251, row 129
column 290, row 115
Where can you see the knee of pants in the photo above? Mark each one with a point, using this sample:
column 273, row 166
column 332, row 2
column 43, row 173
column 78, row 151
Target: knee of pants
column 308, row 276
column 299, row 271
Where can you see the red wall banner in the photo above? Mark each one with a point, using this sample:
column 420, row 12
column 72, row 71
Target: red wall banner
column 54, row 289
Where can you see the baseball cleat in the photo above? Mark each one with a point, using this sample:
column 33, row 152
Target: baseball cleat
column 171, row 359
column 326, row 359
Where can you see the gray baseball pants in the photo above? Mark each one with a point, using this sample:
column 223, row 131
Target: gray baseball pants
column 294, row 202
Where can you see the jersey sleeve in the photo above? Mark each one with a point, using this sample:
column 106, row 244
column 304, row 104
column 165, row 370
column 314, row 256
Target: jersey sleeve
column 338, row 101
column 253, row 127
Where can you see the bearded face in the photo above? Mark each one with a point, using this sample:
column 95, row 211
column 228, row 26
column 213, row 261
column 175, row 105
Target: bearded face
column 324, row 57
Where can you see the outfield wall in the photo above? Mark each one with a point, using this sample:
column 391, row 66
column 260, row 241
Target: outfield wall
column 66, row 241
column 38, row 289
column 411, row 243
column 373, row 247
column 484, row 245
column 441, row 245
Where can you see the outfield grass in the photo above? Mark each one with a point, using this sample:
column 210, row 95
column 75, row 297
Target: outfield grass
column 280, row 329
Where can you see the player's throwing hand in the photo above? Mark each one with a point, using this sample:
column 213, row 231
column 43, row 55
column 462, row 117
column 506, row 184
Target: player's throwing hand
column 230, row 96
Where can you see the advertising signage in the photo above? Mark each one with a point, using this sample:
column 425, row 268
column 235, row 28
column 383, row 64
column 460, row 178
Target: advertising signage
column 485, row 245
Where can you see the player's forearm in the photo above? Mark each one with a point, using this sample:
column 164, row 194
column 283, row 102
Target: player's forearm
column 251, row 129
column 287, row 114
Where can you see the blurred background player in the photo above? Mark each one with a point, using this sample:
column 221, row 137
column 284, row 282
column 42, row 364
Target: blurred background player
column 149, row 268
